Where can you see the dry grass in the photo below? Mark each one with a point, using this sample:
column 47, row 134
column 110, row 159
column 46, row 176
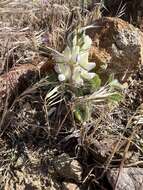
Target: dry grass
column 31, row 133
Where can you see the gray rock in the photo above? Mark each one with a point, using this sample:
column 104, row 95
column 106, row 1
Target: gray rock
column 117, row 44
column 67, row 167
column 69, row 186
column 129, row 178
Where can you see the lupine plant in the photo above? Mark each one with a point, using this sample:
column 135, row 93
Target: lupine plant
column 73, row 68
column 78, row 76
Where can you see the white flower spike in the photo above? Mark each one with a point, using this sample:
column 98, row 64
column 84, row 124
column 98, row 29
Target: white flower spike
column 73, row 64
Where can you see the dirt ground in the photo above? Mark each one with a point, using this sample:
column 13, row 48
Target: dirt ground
column 33, row 140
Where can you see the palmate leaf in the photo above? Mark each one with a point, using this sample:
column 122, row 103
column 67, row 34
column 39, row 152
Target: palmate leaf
column 82, row 112
column 95, row 82
column 115, row 84
column 115, row 97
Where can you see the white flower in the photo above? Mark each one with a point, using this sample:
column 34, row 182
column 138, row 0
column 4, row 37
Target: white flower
column 87, row 75
column 87, row 43
column 85, row 40
column 63, row 69
column 75, row 54
column 67, row 54
column 73, row 64
column 76, row 77
column 90, row 66
column 65, row 58
column 83, row 62
column 77, row 58
column 61, row 77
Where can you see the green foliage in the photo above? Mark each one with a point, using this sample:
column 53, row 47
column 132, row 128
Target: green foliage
column 116, row 97
column 95, row 82
column 74, row 72
column 82, row 112
column 115, row 84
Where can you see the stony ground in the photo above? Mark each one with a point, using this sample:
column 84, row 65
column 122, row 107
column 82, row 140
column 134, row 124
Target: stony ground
column 41, row 150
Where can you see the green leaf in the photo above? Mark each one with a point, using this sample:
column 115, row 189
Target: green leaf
column 95, row 82
column 116, row 97
column 111, row 78
column 115, row 84
column 81, row 113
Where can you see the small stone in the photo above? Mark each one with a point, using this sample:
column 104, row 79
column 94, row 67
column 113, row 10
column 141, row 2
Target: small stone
column 69, row 186
column 68, row 168
column 129, row 178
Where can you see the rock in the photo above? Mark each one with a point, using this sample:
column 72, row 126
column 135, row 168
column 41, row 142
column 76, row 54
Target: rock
column 129, row 179
column 69, row 186
column 101, row 150
column 68, row 168
column 117, row 44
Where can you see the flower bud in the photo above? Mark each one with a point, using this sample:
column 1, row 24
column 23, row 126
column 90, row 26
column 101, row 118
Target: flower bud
column 61, row 77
